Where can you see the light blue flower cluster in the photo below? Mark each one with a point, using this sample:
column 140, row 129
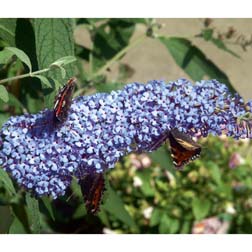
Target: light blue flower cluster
column 43, row 155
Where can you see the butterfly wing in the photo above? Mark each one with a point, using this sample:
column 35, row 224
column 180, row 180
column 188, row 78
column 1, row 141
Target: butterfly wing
column 183, row 148
column 63, row 100
column 92, row 187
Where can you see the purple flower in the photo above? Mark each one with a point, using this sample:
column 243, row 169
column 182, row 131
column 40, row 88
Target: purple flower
column 43, row 155
column 212, row 225
column 235, row 160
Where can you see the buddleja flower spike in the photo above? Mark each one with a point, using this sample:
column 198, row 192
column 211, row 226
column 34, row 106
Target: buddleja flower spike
column 99, row 129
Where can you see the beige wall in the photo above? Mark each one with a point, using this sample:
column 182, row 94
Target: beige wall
column 151, row 60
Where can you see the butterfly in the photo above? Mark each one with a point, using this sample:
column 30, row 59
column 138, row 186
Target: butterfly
column 92, row 188
column 63, row 100
column 183, row 148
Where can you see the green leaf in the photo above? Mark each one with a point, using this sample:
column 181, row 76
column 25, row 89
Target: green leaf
column 19, row 211
column 214, row 171
column 76, row 188
column 80, row 212
column 186, row 227
column 135, row 20
column 5, row 56
column 156, row 217
column 3, row 118
column 25, row 40
column 168, row 225
column 109, row 39
column 193, row 61
column 17, row 227
column 89, row 20
column 64, row 61
column 114, row 205
column 54, row 40
column 21, row 55
column 95, row 20
column 104, row 218
column 4, row 177
column 82, row 73
column 7, row 30
column 225, row 191
column 48, row 205
column 162, row 157
column 30, row 98
column 164, row 225
column 108, row 87
column 4, row 94
column 14, row 102
column 220, row 44
column 44, row 80
column 33, row 213
column 6, row 217
column 146, row 188
column 82, row 52
column 207, row 34
column 174, row 226
column 30, row 88
column 62, row 70
column 201, row 208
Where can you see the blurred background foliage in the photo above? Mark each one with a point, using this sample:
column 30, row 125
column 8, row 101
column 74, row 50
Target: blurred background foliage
column 145, row 194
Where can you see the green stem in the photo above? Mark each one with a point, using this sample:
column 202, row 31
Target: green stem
column 32, row 74
column 117, row 56
column 110, row 62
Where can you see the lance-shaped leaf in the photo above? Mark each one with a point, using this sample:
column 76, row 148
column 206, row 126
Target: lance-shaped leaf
column 3, row 94
column 44, row 80
column 109, row 39
column 54, row 40
column 21, row 55
column 114, row 205
column 207, row 34
column 33, row 213
column 201, row 208
column 60, row 63
column 4, row 177
column 64, row 61
column 17, row 227
column 193, row 61
column 7, row 30
column 48, row 205
column 5, row 56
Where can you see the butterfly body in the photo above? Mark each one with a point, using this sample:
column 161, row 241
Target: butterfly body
column 63, row 100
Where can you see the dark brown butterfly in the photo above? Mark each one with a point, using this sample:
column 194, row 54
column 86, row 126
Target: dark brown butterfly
column 183, row 148
column 63, row 100
column 92, row 188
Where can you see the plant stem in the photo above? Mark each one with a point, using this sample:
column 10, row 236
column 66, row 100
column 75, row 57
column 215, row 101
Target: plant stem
column 117, row 56
column 110, row 62
column 32, row 74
